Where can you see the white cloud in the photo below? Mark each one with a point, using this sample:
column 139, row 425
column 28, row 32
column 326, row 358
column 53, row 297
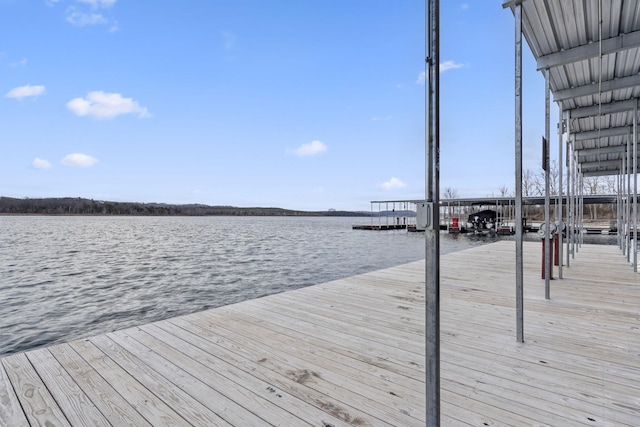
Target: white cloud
column 444, row 66
column 79, row 160
column 20, row 63
column 25, row 91
column 39, row 163
column 449, row 65
column 311, row 149
column 81, row 19
column 392, row 184
column 99, row 3
column 380, row 119
column 103, row 105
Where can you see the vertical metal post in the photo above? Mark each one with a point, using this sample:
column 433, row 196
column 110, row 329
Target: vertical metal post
column 518, row 155
column 559, row 203
column 581, row 205
column 635, row 188
column 628, row 206
column 386, row 211
column 574, row 203
column 618, row 204
column 569, row 195
column 547, row 202
column 623, row 195
column 432, row 235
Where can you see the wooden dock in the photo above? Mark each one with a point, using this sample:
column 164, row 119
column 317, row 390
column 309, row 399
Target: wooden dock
column 351, row 352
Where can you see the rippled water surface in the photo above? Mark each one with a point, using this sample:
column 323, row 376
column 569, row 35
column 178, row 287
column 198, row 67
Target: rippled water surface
column 63, row 278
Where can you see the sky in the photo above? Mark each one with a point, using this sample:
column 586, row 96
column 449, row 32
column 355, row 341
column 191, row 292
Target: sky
column 298, row 104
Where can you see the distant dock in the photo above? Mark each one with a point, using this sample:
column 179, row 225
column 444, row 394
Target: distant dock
column 351, row 352
column 380, row 227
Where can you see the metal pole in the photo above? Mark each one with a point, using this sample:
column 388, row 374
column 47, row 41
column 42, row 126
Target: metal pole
column 518, row 171
column 635, row 188
column 559, row 204
column 621, row 206
column 570, row 194
column 623, row 209
column 581, row 204
column 547, row 202
column 576, row 206
column 618, row 202
column 432, row 234
column 628, row 206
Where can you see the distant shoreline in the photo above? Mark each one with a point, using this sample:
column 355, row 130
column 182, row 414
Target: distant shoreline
column 73, row 206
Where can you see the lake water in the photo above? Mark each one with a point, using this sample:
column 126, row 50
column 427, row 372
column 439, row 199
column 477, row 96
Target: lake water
column 67, row 277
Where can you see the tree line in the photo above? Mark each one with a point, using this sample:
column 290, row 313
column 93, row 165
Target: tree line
column 81, row 206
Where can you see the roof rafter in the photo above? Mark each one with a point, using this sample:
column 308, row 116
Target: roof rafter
column 589, row 51
column 602, row 133
column 601, row 173
column 595, row 88
column 616, row 164
column 596, row 110
column 614, row 149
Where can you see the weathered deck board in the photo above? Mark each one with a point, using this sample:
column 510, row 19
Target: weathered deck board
column 351, row 352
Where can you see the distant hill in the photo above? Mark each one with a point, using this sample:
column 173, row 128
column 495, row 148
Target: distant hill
column 80, row 206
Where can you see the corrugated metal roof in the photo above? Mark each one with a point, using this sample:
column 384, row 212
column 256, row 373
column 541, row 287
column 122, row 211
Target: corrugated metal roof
column 592, row 51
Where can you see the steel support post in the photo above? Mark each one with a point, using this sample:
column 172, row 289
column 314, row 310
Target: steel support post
column 635, row 188
column 432, row 234
column 581, row 206
column 624, row 198
column 628, row 205
column 560, row 201
column 573, row 201
column 518, row 170
column 569, row 195
column 547, row 201
column 619, row 205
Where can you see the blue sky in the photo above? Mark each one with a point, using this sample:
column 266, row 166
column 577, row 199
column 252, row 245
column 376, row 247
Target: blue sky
column 310, row 105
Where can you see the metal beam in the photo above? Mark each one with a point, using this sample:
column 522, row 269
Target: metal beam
column 512, row 3
column 597, row 110
column 601, row 163
column 601, row 173
column 601, row 133
column 595, row 88
column 613, row 149
column 589, row 51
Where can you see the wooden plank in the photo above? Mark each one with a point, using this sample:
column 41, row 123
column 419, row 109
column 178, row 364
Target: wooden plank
column 237, row 406
column 291, row 339
column 11, row 412
column 142, row 399
column 73, row 402
column 112, row 405
column 372, row 350
column 39, row 406
column 153, row 378
column 381, row 393
column 291, row 380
